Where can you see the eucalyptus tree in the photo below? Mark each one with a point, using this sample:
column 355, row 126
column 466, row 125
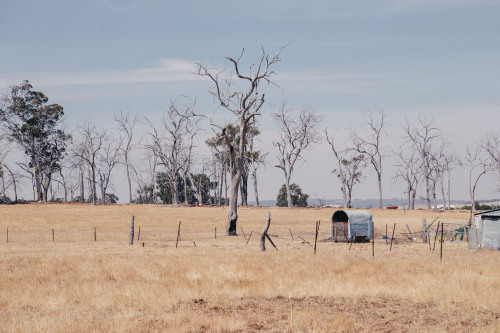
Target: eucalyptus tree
column 35, row 126
column 243, row 101
column 296, row 135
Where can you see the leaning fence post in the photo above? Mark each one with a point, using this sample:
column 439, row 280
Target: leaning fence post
column 392, row 238
column 264, row 232
column 131, row 238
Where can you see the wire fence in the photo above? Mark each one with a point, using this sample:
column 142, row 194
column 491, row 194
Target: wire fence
column 170, row 234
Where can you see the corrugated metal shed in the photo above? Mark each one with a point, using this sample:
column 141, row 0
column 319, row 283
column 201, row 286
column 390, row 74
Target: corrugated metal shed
column 487, row 229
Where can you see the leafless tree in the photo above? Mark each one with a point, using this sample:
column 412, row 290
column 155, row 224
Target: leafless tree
column 348, row 171
column 108, row 158
column 491, row 144
column 370, row 144
column 475, row 165
column 422, row 136
column 244, row 105
column 126, row 124
column 296, row 135
column 256, row 159
column 91, row 141
column 409, row 170
column 170, row 140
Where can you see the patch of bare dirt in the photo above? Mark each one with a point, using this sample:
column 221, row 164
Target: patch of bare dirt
column 317, row 314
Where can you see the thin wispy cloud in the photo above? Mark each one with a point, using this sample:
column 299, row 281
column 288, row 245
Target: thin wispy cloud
column 165, row 70
column 326, row 9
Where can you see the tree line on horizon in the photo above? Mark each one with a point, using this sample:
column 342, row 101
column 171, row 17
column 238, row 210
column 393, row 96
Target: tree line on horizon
column 161, row 165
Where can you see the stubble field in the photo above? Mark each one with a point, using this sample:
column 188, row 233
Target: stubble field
column 68, row 267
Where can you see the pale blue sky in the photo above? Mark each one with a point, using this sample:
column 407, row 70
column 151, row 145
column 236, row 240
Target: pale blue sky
column 437, row 58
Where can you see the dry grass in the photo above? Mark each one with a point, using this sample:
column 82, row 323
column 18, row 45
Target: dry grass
column 224, row 285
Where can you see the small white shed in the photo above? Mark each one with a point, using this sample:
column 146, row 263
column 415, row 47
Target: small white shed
column 485, row 232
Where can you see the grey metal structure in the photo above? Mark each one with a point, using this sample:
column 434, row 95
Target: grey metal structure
column 485, row 230
column 349, row 224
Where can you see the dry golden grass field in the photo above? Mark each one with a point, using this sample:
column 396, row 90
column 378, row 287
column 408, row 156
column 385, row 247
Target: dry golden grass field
column 66, row 281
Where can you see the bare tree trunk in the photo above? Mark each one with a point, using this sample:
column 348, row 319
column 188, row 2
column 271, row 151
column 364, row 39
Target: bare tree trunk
column 256, row 192
column 288, row 192
column 448, row 188
column 82, row 187
column 185, row 188
column 380, row 200
column 232, row 216
column 445, row 204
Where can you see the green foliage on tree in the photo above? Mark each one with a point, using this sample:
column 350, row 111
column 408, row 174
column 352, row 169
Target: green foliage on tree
column 298, row 199
column 35, row 126
column 478, row 206
column 164, row 192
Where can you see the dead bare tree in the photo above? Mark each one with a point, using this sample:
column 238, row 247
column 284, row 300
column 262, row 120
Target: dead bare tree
column 108, row 158
column 90, row 143
column 409, row 169
column 475, row 165
column 370, row 144
column 244, row 105
column 296, row 135
column 348, row 169
column 491, row 144
column 422, row 137
column 170, row 140
column 126, row 125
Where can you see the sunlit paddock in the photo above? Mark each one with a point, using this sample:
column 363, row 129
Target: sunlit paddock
column 69, row 267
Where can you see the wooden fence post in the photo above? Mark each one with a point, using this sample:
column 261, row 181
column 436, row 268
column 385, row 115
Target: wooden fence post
column 131, row 237
column 264, row 232
column 95, row 234
column 52, row 234
column 392, row 238
column 7, row 235
column 215, row 233
column 316, row 235
column 442, row 235
column 178, row 234
column 424, row 231
column 139, row 233
column 373, row 240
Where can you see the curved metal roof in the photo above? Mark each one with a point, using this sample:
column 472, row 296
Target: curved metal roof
column 358, row 215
